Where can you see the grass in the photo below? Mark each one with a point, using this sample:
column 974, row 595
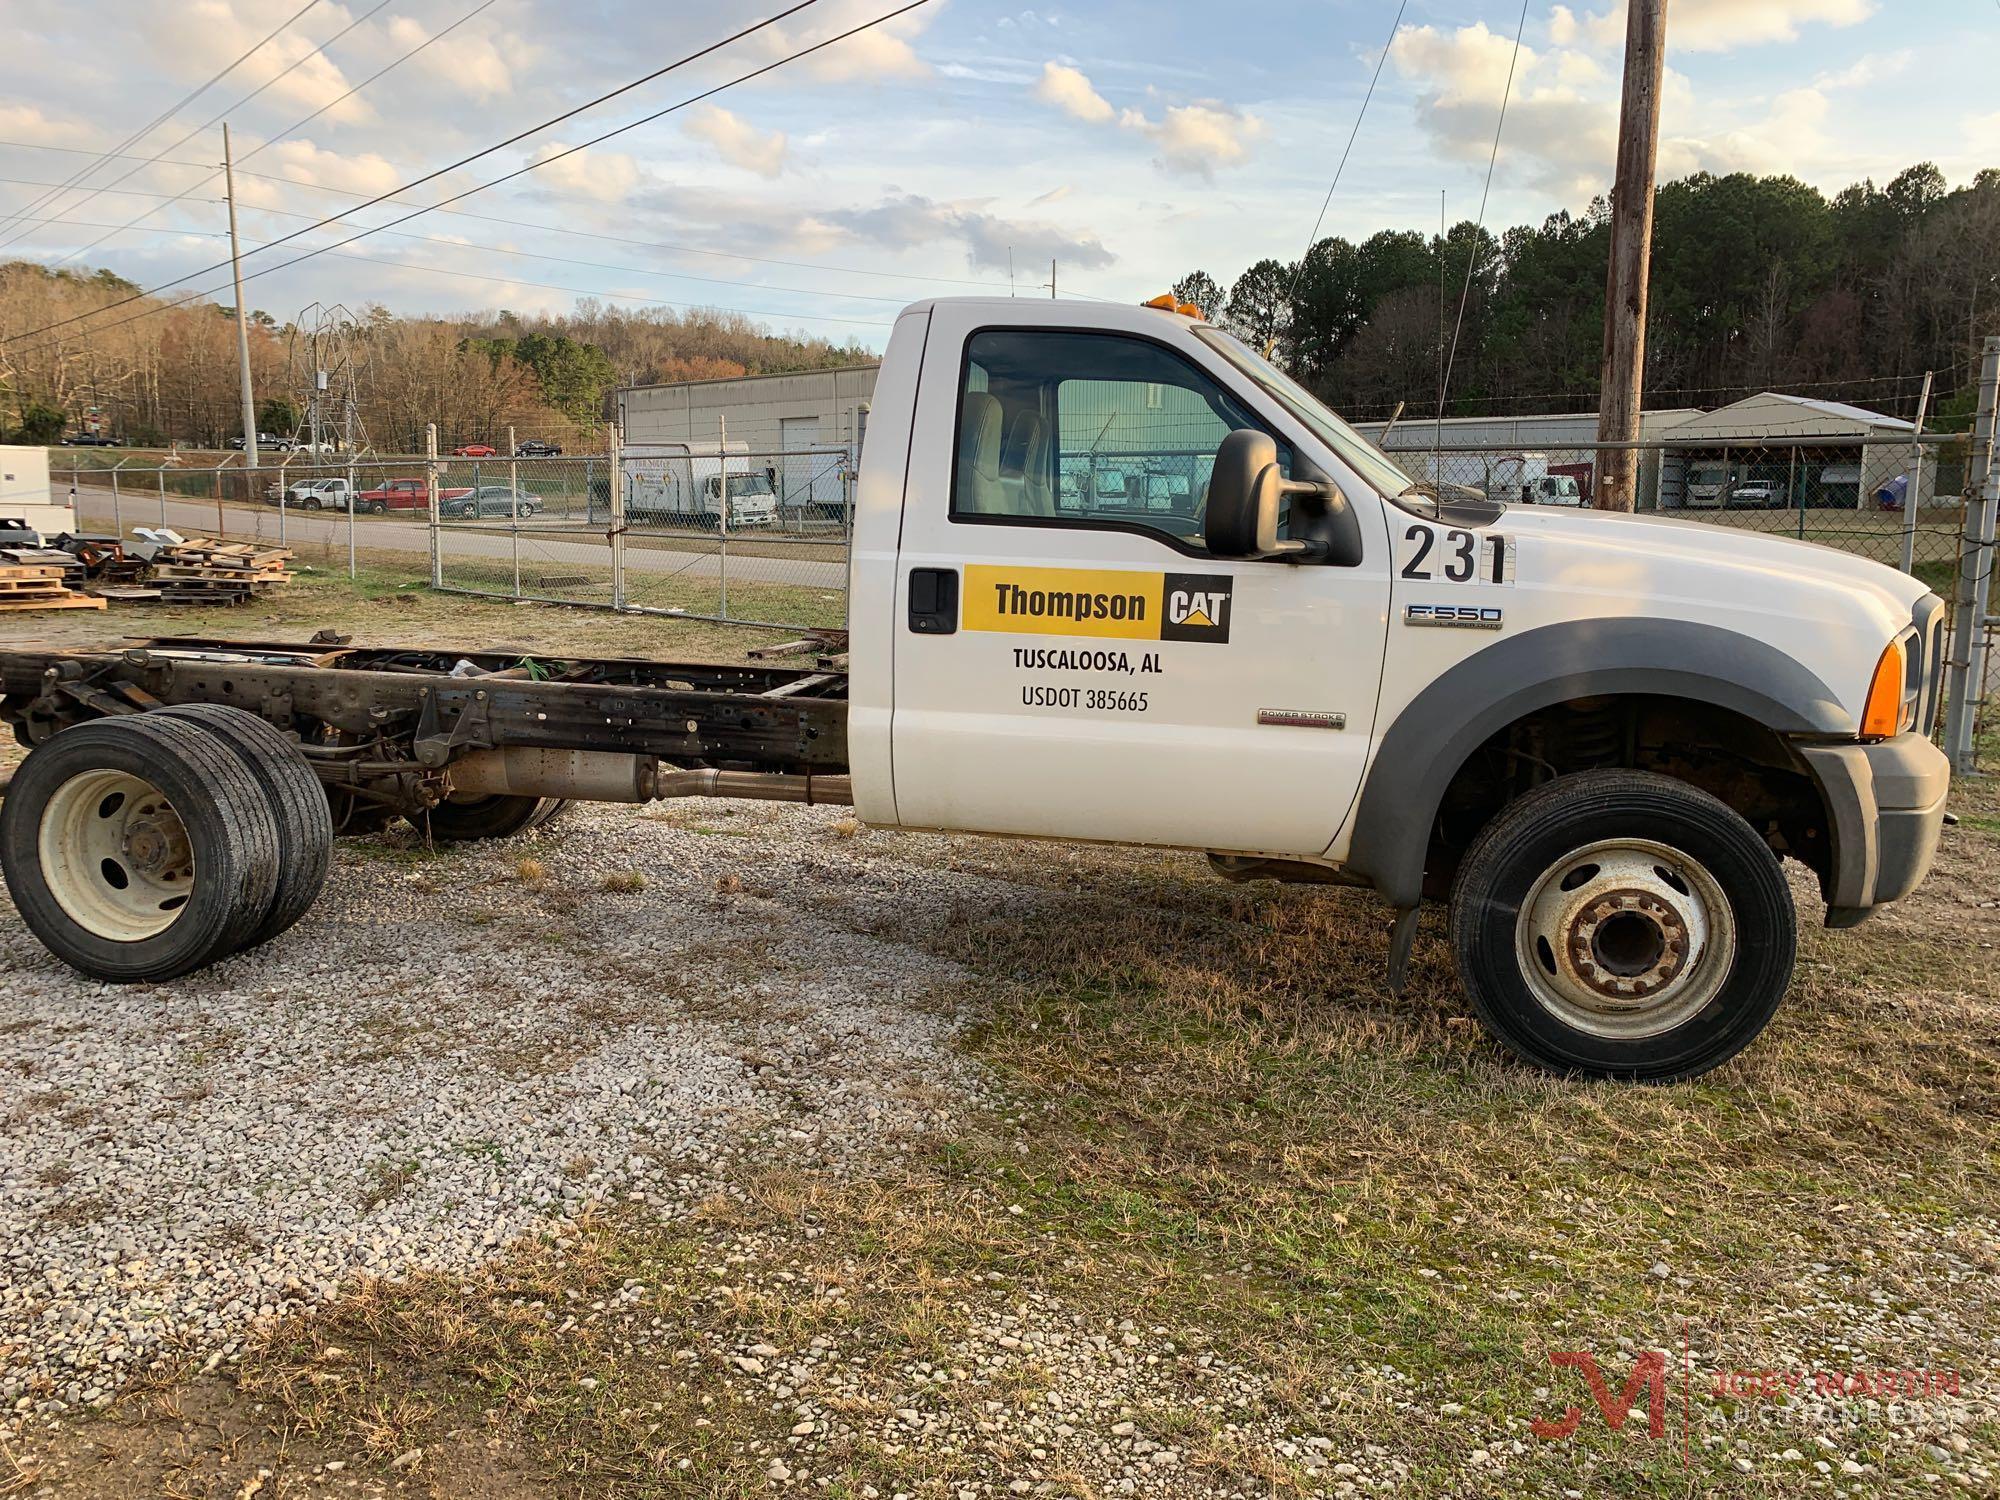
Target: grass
column 1213, row 1120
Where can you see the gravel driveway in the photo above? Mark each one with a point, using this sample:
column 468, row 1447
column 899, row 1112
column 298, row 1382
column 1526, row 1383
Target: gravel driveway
column 448, row 1052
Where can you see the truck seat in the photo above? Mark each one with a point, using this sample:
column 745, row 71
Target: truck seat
column 979, row 487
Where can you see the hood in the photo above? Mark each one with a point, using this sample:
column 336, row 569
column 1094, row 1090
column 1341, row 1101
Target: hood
column 1744, row 555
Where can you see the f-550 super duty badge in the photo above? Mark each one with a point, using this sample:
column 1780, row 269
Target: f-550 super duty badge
column 1106, row 603
column 1462, row 616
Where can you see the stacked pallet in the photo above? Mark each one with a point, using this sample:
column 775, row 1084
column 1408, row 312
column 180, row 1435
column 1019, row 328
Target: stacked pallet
column 68, row 566
column 27, row 586
column 209, row 572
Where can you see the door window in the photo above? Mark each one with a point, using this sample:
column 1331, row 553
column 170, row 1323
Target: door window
column 1089, row 429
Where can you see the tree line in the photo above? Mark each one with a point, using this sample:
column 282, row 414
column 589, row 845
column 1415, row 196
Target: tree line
column 1757, row 283
column 169, row 376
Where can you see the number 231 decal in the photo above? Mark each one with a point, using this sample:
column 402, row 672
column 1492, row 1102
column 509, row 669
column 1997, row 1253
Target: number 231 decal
column 1456, row 556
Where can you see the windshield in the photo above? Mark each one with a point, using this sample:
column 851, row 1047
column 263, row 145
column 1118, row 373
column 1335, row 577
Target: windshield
column 1354, row 449
column 749, row 484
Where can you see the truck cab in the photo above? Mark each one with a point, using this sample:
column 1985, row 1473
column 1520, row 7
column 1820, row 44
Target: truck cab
column 1310, row 667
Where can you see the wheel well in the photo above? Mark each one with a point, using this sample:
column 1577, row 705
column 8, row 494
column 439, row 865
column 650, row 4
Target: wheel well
column 1745, row 764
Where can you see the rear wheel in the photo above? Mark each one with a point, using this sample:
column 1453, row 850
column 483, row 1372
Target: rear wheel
column 488, row 817
column 305, row 823
column 1623, row 924
column 138, row 848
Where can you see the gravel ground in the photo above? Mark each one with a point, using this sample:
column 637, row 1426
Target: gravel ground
column 442, row 1056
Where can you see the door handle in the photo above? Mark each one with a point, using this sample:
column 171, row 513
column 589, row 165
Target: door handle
column 934, row 601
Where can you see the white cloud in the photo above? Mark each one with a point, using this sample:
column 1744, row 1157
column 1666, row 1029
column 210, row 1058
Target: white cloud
column 736, row 141
column 350, row 171
column 910, row 220
column 607, row 176
column 1069, row 91
column 1715, row 25
column 1199, row 137
column 469, row 61
column 1195, row 138
column 872, row 56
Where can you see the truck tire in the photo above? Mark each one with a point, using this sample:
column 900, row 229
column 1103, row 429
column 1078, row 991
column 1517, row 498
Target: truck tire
column 1622, row 924
column 138, row 848
column 305, row 822
column 487, row 818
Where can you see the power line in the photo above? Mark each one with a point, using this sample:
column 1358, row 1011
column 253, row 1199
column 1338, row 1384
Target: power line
column 532, row 166
column 297, row 125
column 1359, row 115
column 160, row 119
column 1479, row 224
column 466, row 160
column 131, row 172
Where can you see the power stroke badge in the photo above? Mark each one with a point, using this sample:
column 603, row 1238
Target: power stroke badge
column 1104, row 603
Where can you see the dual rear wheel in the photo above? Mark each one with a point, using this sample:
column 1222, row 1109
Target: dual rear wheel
column 142, row 847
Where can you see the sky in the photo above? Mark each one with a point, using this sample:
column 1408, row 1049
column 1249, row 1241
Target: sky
column 957, row 148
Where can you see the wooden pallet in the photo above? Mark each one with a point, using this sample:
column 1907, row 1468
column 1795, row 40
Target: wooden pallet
column 12, row 603
column 201, row 571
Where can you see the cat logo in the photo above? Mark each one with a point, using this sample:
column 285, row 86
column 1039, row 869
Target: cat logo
column 1112, row 604
column 1197, row 607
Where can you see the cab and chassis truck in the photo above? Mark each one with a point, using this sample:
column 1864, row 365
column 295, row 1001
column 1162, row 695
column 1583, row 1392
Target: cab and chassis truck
column 1595, row 736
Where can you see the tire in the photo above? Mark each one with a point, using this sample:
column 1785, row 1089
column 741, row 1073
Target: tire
column 377, row 508
column 175, row 884
column 305, row 823
column 487, row 818
column 1621, row 924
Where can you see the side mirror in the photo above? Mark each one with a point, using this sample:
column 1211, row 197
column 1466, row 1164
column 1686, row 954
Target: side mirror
column 1245, row 492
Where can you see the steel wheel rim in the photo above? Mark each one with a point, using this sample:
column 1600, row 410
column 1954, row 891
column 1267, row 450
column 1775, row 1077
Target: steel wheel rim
column 116, row 856
column 1625, row 939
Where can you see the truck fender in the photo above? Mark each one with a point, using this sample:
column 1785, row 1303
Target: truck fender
column 1431, row 738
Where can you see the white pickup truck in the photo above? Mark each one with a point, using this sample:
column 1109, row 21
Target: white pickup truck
column 1596, row 736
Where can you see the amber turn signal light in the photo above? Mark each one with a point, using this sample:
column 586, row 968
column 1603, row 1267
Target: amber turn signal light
column 1882, row 714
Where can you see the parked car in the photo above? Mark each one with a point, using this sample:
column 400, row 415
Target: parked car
column 474, row 450
column 1756, row 494
column 492, row 500
column 405, row 494
column 266, row 442
column 536, row 448
column 319, row 494
column 89, row 440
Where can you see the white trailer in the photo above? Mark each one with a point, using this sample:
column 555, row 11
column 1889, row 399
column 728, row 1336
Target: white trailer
column 684, row 484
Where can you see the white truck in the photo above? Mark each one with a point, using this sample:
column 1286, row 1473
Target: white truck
column 1524, row 479
column 681, row 484
column 1596, row 736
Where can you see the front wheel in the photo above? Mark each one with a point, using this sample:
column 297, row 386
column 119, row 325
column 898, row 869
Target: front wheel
column 1623, row 924
column 378, row 508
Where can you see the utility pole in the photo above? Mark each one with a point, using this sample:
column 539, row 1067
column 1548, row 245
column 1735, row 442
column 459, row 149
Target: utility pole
column 242, row 313
column 1622, row 384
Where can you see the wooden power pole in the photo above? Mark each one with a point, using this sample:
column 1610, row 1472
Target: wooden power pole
column 1623, row 379
column 251, row 458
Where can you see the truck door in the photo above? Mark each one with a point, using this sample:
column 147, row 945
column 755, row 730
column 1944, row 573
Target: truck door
column 1069, row 659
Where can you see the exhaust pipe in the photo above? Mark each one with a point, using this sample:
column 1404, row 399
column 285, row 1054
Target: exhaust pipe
column 611, row 776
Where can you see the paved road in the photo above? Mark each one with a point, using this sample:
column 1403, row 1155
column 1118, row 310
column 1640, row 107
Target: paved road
column 551, row 545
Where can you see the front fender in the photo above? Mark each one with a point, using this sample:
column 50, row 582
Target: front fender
column 1432, row 737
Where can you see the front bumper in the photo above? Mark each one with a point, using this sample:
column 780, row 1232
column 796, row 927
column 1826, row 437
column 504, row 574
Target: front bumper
column 1885, row 807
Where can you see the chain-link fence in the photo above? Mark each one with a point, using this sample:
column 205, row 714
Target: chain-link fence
column 707, row 531
column 1900, row 503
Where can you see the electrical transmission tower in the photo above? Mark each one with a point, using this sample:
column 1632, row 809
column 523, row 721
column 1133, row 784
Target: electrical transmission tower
column 327, row 352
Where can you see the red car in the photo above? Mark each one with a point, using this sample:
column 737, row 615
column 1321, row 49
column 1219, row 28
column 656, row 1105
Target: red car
column 404, row 494
column 474, row 450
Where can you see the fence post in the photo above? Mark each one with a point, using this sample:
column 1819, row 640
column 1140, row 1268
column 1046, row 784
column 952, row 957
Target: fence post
column 1975, row 568
column 221, row 526
column 162, row 473
column 284, row 497
column 1913, row 491
column 431, row 494
column 722, row 515
column 617, row 484
column 1792, row 484
column 513, row 504
column 117, row 519
column 353, row 494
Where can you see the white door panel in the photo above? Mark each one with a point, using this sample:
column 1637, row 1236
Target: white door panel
column 1118, row 684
